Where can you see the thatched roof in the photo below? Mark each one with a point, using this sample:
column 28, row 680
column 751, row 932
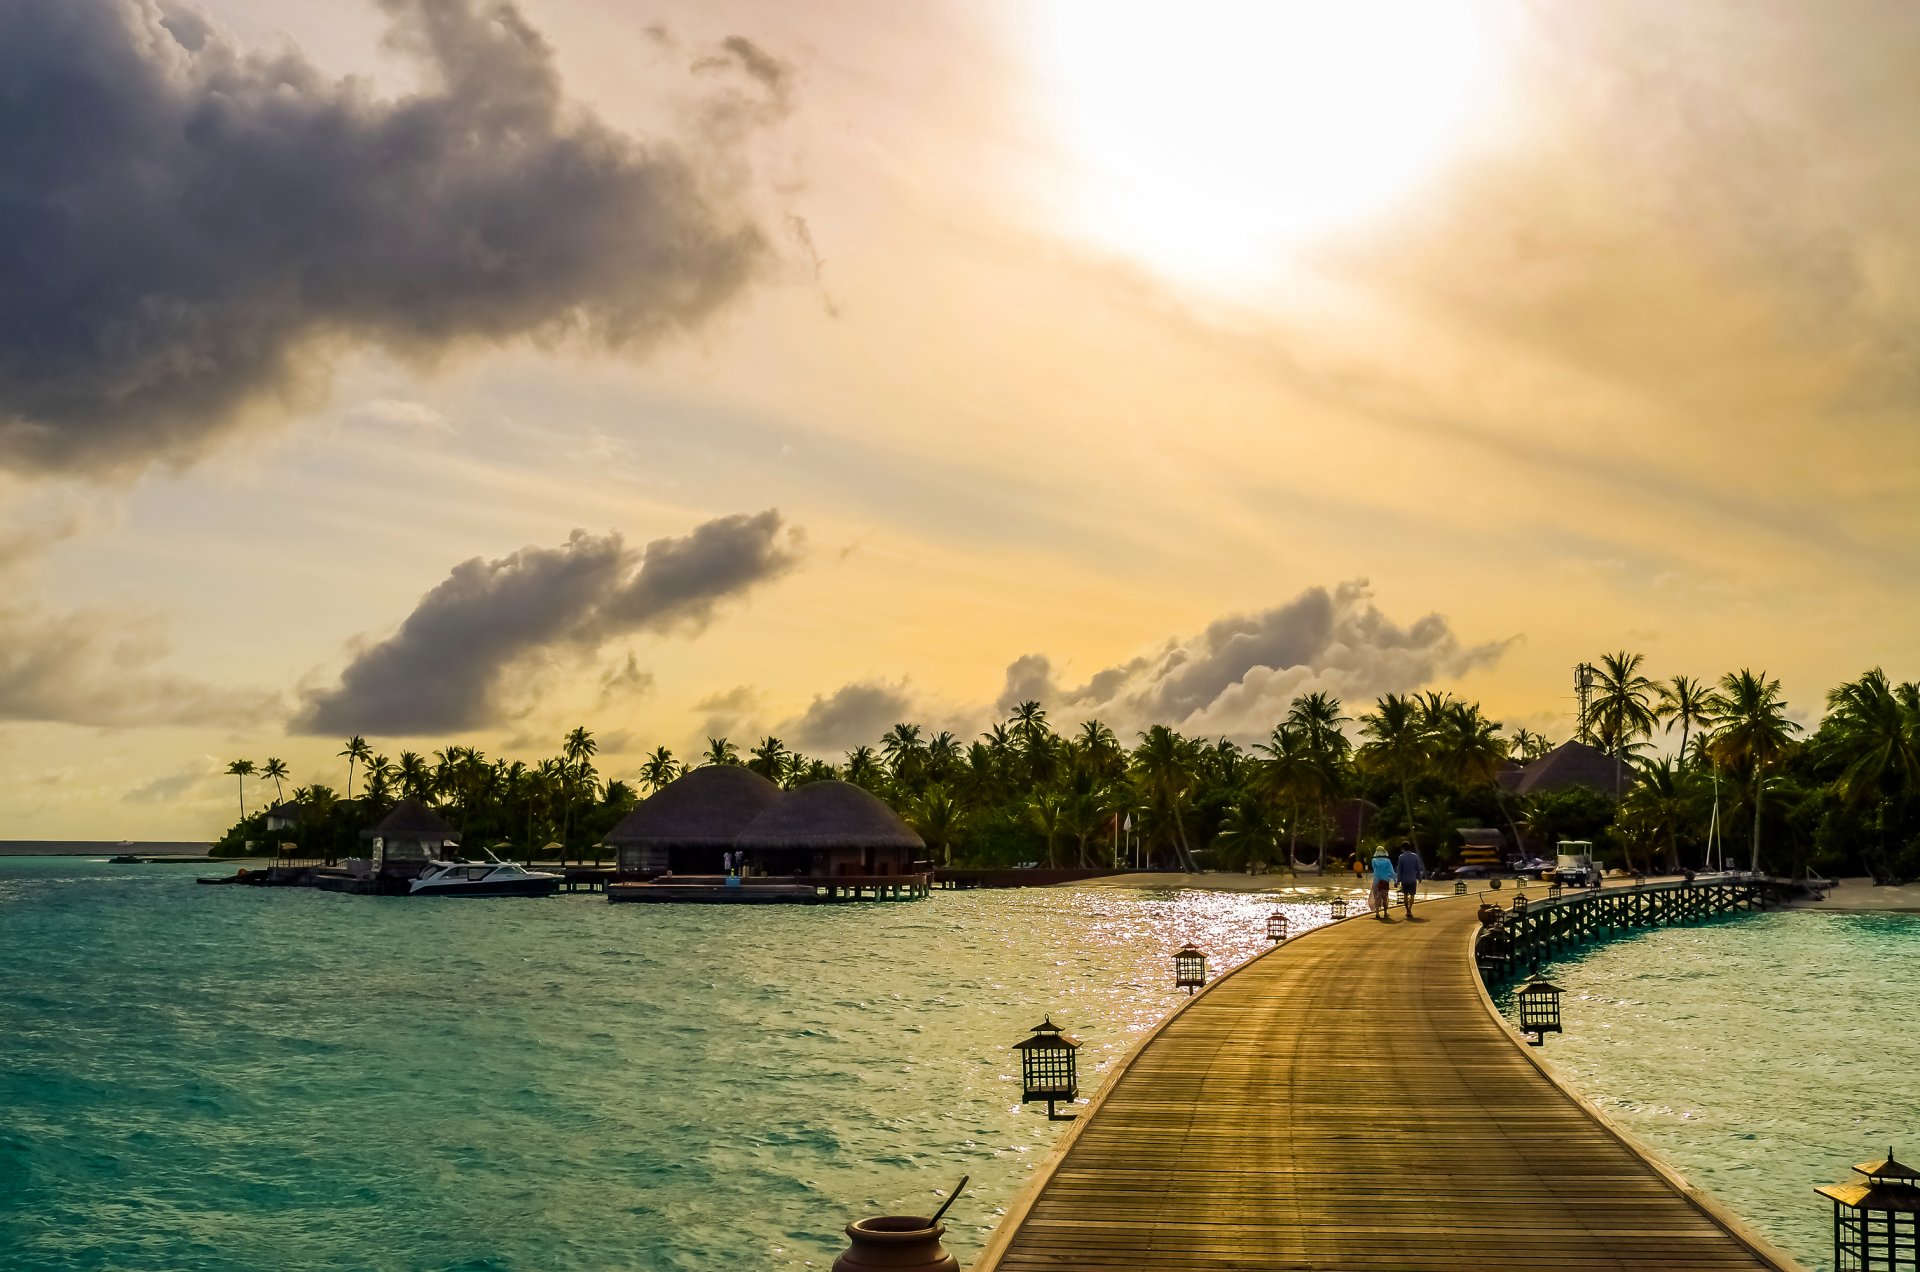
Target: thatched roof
column 705, row 808
column 830, row 815
column 1575, row 764
column 410, row 819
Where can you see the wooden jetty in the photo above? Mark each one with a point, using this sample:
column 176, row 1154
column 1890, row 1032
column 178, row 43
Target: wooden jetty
column 774, row 889
column 1351, row 1100
column 1021, row 877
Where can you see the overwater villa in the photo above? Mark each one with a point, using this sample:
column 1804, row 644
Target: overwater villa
column 724, row 833
column 690, row 824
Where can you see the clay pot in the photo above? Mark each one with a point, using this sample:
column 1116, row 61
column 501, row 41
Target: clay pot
column 897, row 1243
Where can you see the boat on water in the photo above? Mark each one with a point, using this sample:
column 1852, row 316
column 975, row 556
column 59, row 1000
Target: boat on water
column 490, row 878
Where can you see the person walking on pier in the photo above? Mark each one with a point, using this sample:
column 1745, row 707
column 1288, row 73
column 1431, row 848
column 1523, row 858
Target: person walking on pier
column 1382, row 880
column 1411, row 871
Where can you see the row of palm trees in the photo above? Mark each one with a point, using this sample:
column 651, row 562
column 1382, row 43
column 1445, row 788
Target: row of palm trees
column 561, row 799
column 1849, row 796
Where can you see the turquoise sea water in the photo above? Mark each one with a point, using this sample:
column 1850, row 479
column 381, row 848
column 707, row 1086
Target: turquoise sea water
column 239, row 1078
column 1760, row 1056
column 228, row 1078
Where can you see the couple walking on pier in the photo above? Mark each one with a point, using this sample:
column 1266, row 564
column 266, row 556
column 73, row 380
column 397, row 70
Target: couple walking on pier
column 1408, row 870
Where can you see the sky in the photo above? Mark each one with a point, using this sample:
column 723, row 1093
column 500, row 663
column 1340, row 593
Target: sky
column 463, row 371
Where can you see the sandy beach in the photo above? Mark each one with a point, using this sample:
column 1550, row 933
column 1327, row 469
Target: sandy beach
column 1861, row 896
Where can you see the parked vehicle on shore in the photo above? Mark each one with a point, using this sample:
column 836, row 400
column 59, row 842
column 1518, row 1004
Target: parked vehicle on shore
column 1574, row 864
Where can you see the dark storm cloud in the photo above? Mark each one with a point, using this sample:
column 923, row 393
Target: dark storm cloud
column 447, row 668
column 1239, row 674
column 187, row 226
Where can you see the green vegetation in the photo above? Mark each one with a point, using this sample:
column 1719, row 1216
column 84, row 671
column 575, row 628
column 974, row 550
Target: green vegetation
column 1845, row 799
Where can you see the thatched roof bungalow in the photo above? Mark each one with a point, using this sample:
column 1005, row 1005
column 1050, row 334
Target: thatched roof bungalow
column 831, row 828
column 410, row 834
column 687, row 825
column 1574, row 764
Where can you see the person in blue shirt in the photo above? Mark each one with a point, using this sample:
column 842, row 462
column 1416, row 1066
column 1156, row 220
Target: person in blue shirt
column 1382, row 880
column 1411, row 871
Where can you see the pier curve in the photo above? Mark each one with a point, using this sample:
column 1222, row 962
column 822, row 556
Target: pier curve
column 1352, row 1100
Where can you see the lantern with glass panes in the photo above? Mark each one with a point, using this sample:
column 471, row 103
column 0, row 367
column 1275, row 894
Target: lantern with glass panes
column 1520, row 905
column 1539, row 1010
column 1554, row 890
column 1049, row 1070
column 1876, row 1223
column 1189, row 969
column 1337, row 908
column 1277, row 926
column 1459, row 887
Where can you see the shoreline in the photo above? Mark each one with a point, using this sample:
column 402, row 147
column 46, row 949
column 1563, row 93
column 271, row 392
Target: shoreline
column 1847, row 896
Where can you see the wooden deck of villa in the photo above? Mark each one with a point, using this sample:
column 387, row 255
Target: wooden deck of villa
column 1348, row 1101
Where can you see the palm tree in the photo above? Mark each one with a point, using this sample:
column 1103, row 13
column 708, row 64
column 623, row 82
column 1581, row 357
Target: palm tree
column 576, row 749
column 1752, row 733
column 1872, row 737
column 901, row 747
column 1397, row 747
column 275, row 768
column 1872, row 731
column 379, row 775
column 1658, row 804
column 943, row 756
column 863, row 769
column 1469, row 753
column 770, row 759
column 357, row 750
column 242, row 769
column 1316, row 719
column 416, row 779
column 721, row 751
column 1290, row 775
column 1622, row 708
column 659, row 768
column 1085, row 812
column 1527, row 745
column 937, row 820
column 1249, row 836
column 1688, row 703
column 1169, row 766
column 1044, row 811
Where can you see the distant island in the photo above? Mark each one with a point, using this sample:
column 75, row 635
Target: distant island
column 1746, row 786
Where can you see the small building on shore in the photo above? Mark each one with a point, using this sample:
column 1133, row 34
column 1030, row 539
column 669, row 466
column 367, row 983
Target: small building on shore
column 408, row 837
column 831, row 829
column 688, row 825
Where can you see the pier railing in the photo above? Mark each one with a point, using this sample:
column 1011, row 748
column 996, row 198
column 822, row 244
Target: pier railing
column 1535, row 930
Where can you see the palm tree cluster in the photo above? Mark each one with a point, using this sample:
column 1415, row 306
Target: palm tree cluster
column 1845, row 799
column 508, row 804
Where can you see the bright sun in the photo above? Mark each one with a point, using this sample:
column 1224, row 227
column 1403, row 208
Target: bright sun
column 1212, row 134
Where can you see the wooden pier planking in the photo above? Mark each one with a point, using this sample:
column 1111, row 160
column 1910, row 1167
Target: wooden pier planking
column 1348, row 1101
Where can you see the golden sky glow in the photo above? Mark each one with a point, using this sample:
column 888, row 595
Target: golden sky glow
column 1207, row 144
column 1118, row 335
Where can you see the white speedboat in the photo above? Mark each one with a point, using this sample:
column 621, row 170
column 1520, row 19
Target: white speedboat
column 491, row 878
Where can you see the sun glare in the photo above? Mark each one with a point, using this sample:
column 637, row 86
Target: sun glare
column 1210, row 136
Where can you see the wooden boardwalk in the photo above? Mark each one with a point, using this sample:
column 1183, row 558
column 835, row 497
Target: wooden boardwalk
column 1348, row 1101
